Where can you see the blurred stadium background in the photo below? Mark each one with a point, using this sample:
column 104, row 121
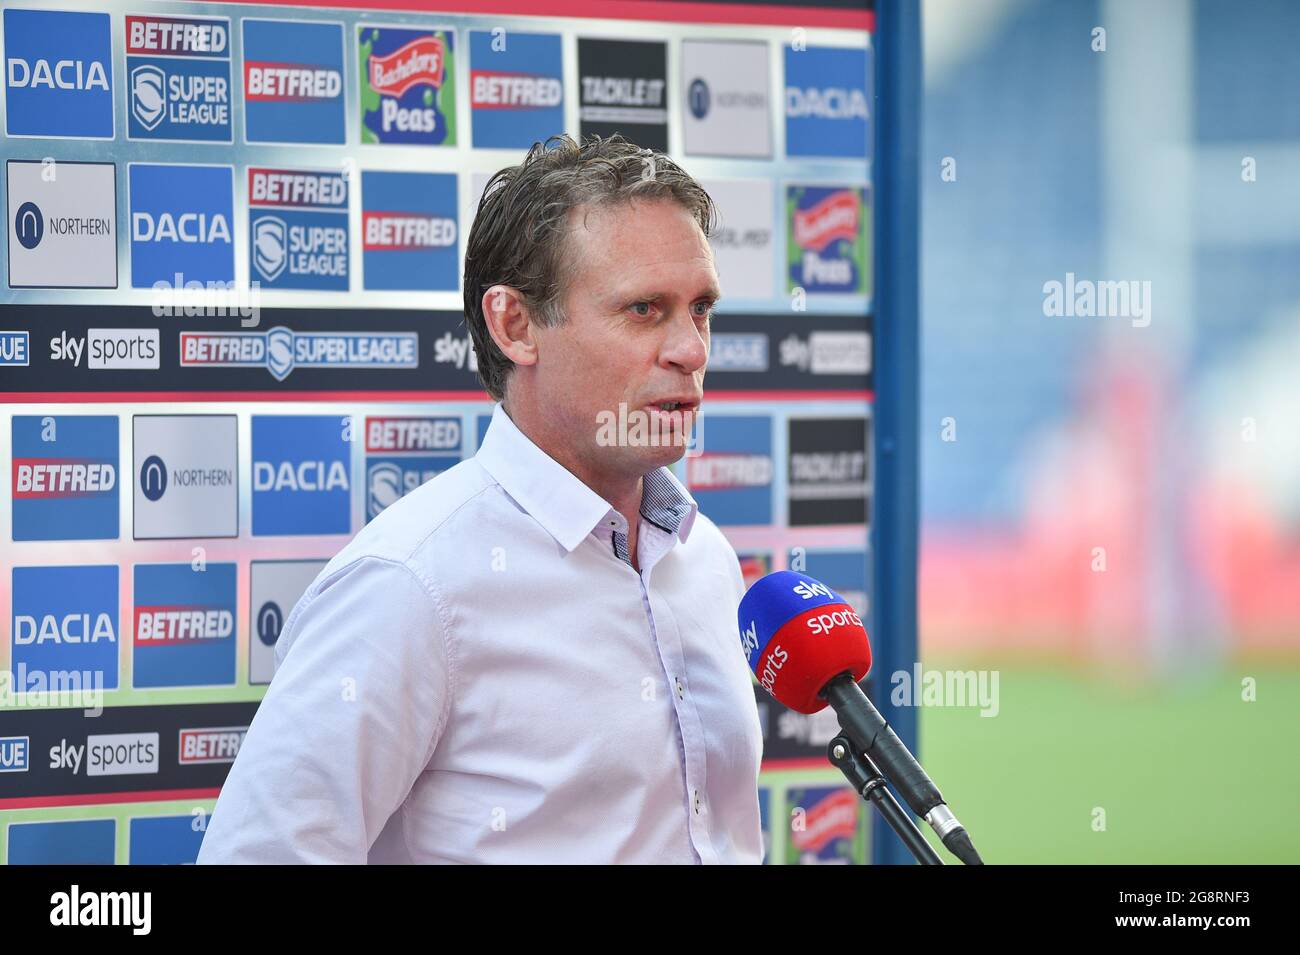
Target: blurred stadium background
column 1169, row 455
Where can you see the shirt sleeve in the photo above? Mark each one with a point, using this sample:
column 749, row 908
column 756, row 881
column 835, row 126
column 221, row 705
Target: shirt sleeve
column 350, row 720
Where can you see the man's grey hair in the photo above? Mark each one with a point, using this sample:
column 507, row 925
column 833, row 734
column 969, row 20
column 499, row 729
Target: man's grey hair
column 520, row 232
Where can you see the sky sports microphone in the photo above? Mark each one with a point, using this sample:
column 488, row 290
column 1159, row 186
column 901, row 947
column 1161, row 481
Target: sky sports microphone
column 808, row 648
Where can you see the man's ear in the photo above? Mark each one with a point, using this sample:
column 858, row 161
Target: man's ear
column 507, row 322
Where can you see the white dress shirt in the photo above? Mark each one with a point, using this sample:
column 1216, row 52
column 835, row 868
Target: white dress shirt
column 480, row 675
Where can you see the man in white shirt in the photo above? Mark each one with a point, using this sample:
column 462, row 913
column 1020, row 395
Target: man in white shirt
column 533, row 657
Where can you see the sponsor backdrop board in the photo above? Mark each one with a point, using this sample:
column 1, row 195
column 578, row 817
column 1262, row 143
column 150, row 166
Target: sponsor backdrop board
column 230, row 335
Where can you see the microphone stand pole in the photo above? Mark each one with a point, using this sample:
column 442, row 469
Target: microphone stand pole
column 866, row 779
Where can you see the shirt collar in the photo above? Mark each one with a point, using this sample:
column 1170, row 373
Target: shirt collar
column 559, row 501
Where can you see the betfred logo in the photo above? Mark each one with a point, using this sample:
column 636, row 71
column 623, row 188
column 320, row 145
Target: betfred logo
column 516, row 88
column 732, row 476
column 413, row 434
column 409, row 229
column 397, row 232
column 298, row 228
column 827, row 239
column 58, row 74
column 65, row 620
column 181, row 224
column 201, row 747
column 302, row 475
column 403, row 453
column 281, row 350
column 293, row 81
column 178, row 79
column 65, row 477
column 184, row 625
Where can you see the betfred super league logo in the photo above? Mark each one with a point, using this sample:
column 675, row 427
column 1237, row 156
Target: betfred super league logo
column 827, row 239
column 408, row 86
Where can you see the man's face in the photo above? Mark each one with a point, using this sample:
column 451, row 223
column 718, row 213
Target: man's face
column 640, row 288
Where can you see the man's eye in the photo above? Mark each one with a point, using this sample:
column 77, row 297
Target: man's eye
column 642, row 309
column 703, row 309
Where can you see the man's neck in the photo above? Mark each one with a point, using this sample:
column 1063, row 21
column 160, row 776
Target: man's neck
column 623, row 492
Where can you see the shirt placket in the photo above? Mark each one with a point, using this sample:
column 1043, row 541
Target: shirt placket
column 689, row 728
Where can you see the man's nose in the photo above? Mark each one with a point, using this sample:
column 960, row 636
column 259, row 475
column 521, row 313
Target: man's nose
column 686, row 346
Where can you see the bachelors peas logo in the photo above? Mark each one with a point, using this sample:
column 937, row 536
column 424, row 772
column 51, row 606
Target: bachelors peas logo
column 408, row 86
column 828, row 241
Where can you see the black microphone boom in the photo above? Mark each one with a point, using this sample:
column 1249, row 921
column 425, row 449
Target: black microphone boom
column 869, row 731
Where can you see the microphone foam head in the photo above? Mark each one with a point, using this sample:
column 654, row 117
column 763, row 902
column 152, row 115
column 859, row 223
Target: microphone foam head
column 797, row 634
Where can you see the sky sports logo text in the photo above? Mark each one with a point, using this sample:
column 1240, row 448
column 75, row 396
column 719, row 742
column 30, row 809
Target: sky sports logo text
column 281, row 350
column 111, row 754
column 108, row 348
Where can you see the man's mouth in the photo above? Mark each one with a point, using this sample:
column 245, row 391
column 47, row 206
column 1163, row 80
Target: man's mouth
column 682, row 404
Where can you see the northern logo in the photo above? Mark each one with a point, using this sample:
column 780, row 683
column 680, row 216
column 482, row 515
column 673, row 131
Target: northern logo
column 62, row 224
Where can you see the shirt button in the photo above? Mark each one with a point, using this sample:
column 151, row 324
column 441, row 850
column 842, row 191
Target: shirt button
column 697, row 802
column 681, row 690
